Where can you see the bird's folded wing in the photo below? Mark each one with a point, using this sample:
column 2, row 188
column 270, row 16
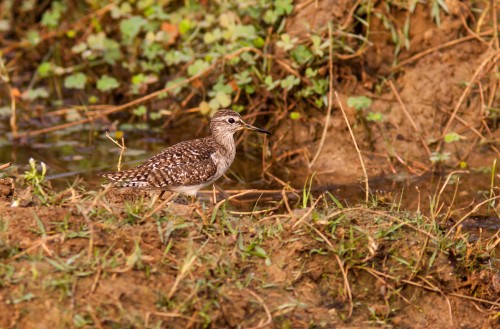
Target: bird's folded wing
column 183, row 164
column 182, row 154
column 194, row 173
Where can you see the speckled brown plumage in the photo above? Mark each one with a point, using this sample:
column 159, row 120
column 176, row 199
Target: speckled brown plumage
column 188, row 166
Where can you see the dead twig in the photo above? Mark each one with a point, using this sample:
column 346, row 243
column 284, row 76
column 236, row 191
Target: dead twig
column 38, row 243
column 330, row 98
column 464, row 217
column 383, row 214
column 165, row 315
column 5, row 165
column 426, row 287
column 350, row 16
column 266, row 309
column 94, row 317
column 308, row 212
column 161, row 205
column 367, row 186
column 220, row 203
column 445, row 184
column 122, row 150
column 186, row 267
column 494, row 21
column 450, row 312
column 433, row 49
column 347, row 287
column 13, row 93
column 494, row 56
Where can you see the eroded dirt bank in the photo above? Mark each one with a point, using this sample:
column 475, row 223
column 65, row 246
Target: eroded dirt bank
column 107, row 261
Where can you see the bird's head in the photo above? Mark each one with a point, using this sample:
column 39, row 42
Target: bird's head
column 228, row 121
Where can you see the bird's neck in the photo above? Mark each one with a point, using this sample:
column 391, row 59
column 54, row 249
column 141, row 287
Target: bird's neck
column 226, row 140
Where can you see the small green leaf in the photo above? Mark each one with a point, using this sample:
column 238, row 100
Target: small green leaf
column 176, row 81
column 155, row 115
column 204, row 108
column 79, row 48
column 75, row 81
column 452, row 137
column 289, row 82
column 301, row 54
column 259, row 42
column 44, row 69
column 71, row 34
column 238, row 108
column 243, row 78
column 270, row 16
column 311, row 73
column 247, row 32
column 283, row 6
column 295, row 115
column 214, row 104
column 374, row 116
column 223, row 99
column 209, row 38
column 138, row 79
column 359, row 102
column 33, row 37
column 184, row 26
column 132, row 26
column 270, row 84
column 286, row 43
column 33, row 94
column 51, row 17
column 439, row 157
column 106, row 83
column 97, row 41
column 141, row 110
column 27, row 297
column 316, row 46
column 197, row 67
column 80, row 322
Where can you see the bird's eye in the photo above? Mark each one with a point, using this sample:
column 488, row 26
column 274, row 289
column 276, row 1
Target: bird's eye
column 231, row 120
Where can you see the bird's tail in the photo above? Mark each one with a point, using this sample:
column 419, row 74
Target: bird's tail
column 127, row 176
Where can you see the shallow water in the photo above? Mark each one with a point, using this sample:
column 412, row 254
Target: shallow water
column 83, row 153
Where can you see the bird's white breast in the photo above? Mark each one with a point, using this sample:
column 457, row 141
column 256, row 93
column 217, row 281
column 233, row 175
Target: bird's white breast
column 222, row 163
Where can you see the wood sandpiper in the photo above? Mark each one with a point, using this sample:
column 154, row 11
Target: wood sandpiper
column 188, row 166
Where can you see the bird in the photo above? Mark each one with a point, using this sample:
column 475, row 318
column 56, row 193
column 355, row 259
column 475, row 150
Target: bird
column 191, row 165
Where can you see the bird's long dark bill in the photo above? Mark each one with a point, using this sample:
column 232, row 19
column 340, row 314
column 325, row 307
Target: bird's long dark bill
column 250, row 127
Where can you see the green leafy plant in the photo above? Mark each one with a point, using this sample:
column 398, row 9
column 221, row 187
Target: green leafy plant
column 359, row 102
column 36, row 179
column 76, row 81
column 107, row 83
column 438, row 157
column 452, row 137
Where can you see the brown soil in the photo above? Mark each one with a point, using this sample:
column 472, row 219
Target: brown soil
column 430, row 88
column 63, row 267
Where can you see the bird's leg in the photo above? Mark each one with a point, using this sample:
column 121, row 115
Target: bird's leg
column 195, row 203
column 161, row 194
column 161, row 205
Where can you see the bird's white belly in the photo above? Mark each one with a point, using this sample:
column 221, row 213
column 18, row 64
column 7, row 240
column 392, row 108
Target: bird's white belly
column 190, row 190
column 222, row 164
